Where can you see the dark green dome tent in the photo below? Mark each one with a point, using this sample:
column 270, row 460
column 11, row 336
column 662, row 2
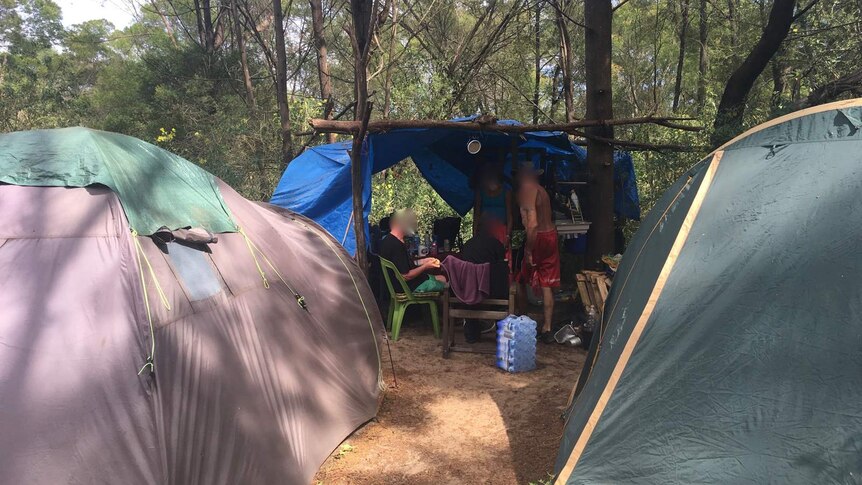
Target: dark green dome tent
column 158, row 328
column 731, row 348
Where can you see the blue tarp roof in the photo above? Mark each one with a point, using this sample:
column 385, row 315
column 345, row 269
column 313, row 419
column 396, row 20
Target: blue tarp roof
column 317, row 182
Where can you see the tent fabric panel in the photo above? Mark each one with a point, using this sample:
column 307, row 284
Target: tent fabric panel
column 750, row 369
column 629, row 346
column 837, row 105
column 319, row 170
column 72, row 406
column 634, row 282
column 253, row 393
column 60, row 212
column 318, row 185
column 841, row 124
column 390, row 148
column 248, row 386
column 451, row 183
column 156, row 188
column 663, row 221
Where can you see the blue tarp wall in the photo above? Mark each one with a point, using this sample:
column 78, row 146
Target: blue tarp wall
column 317, row 182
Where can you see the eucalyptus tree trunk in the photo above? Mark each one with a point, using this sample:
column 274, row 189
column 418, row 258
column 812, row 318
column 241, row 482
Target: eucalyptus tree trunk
column 731, row 109
column 281, row 84
column 566, row 63
column 537, row 50
column 598, row 18
column 323, row 75
column 680, row 63
column 243, row 57
column 703, row 59
column 360, row 38
column 387, row 83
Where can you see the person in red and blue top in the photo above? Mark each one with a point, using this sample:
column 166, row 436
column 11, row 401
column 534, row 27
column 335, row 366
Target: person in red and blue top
column 493, row 203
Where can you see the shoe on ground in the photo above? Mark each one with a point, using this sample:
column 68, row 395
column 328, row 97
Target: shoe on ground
column 546, row 337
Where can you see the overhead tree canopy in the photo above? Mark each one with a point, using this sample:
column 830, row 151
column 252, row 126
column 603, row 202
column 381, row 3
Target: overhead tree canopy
column 202, row 78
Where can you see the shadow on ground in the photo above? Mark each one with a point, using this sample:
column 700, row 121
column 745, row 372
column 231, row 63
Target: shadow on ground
column 459, row 420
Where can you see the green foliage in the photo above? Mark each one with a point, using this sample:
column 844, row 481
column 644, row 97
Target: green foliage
column 446, row 58
column 403, row 186
column 344, row 450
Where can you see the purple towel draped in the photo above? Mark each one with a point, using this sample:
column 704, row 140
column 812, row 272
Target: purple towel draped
column 470, row 282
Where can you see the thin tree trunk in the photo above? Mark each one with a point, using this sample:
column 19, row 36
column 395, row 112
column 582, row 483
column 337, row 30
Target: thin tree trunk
column 728, row 120
column 387, row 84
column 200, row 23
column 281, row 84
column 209, row 37
column 733, row 22
column 680, row 63
column 537, row 51
column 556, row 96
column 317, row 28
column 243, row 57
column 778, row 85
column 567, row 62
column 598, row 17
column 168, row 27
column 360, row 36
column 703, row 59
column 656, row 49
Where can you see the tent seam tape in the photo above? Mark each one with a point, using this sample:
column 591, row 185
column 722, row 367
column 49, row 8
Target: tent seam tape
column 638, row 329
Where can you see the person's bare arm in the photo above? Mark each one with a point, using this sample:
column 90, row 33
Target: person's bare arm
column 421, row 269
column 527, row 201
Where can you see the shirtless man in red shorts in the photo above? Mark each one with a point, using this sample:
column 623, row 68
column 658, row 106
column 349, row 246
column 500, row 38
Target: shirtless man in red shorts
column 541, row 267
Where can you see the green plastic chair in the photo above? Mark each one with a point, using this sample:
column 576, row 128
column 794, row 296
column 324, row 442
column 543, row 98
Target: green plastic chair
column 399, row 301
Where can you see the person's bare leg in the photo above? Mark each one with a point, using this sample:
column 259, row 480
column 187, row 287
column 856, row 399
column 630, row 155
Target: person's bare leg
column 548, row 303
column 521, row 302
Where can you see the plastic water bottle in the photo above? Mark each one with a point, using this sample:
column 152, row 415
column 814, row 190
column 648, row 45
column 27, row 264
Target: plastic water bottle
column 516, row 344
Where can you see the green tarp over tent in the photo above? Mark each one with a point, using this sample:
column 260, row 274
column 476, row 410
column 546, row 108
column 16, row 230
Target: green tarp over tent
column 156, row 187
column 731, row 344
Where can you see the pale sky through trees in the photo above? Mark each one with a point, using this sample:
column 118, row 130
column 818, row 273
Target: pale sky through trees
column 118, row 12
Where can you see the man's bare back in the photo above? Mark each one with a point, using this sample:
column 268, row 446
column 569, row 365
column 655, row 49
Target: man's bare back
column 534, row 195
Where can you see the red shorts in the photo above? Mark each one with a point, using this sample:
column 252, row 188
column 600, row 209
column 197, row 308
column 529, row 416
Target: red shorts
column 545, row 272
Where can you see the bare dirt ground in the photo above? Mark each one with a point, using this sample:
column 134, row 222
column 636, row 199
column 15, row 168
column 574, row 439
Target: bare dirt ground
column 459, row 420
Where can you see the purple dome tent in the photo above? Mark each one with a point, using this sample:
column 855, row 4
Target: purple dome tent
column 156, row 327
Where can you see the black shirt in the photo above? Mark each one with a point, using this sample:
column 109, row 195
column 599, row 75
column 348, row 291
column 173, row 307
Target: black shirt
column 483, row 248
column 396, row 252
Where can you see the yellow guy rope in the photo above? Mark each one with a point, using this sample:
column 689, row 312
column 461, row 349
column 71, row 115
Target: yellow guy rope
column 254, row 250
column 141, row 256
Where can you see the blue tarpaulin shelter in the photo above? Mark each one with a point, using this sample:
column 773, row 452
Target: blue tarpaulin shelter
column 317, row 182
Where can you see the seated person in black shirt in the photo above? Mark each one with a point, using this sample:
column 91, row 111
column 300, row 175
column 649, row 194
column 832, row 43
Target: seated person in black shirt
column 392, row 247
column 484, row 247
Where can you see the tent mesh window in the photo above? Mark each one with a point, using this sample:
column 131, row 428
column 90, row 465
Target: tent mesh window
column 196, row 271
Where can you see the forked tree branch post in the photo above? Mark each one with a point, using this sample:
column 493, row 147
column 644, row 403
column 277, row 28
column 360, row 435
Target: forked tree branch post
column 360, row 39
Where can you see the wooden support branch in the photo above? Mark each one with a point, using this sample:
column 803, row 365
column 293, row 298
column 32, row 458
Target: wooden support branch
column 637, row 146
column 574, row 128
